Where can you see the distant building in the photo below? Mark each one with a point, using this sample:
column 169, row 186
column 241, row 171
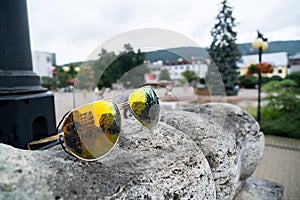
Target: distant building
column 279, row 60
column 294, row 63
column 42, row 63
column 176, row 68
column 154, row 68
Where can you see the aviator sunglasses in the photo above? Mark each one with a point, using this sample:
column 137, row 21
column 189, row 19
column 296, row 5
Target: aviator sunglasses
column 91, row 131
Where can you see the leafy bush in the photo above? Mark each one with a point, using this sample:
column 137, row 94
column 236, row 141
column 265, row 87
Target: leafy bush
column 285, row 124
column 248, row 82
column 275, row 78
column 190, row 75
column 282, row 95
column 48, row 82
column 295, row 77
column 281, row 115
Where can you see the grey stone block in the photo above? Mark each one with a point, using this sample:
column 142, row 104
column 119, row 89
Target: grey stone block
column 259, row 189
column 160, row 164
column 228, row 136
column 208, row 153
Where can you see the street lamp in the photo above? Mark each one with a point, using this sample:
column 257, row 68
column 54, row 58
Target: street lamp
column 66, row 69
column 77, row 69
column 261, row 44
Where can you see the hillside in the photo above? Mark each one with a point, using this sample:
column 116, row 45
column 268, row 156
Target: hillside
column 175, row 53
column 292, row 47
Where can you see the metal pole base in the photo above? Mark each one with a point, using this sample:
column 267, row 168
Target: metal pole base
column 26, row 117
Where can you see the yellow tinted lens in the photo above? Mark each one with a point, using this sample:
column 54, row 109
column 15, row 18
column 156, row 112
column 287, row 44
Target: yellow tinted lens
column 92, row 130
column 145, row 106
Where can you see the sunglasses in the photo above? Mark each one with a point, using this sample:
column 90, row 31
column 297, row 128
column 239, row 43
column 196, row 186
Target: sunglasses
column 92, row 131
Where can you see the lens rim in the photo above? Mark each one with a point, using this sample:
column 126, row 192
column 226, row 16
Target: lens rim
column 69, row 149
column 156, row 100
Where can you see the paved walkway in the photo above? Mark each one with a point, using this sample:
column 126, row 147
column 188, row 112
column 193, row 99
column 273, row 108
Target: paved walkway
column 281, row 164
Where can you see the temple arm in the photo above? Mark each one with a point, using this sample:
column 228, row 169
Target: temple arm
column 44, row 140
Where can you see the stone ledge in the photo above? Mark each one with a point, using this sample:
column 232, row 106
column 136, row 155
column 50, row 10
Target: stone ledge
column 255, row 188
column 208, row 154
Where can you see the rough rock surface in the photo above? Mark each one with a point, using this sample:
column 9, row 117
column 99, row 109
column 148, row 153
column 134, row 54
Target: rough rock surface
column 228, row 136
column 160, row 164
column 209, row 152
column 259, row 189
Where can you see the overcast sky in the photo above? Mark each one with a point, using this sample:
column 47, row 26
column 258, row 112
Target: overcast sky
column 74, row 28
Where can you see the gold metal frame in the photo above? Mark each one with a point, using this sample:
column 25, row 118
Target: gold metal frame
column 121, row 106
column 44, row 140
column 60, row 135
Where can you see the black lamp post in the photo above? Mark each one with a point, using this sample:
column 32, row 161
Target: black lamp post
column 26, row 108
column 261, row 44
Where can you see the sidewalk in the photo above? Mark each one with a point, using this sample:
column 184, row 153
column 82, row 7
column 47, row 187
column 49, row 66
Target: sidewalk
column 281, row 164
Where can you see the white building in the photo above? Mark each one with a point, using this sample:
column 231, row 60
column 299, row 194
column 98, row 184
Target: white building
column 42, row 63
column 176, row 68
column 294, row 63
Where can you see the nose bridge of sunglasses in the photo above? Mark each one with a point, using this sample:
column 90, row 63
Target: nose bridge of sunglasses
column 123, row 99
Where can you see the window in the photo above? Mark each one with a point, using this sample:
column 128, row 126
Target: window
column 279, row 71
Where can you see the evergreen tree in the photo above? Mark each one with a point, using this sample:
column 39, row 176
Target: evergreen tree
column 164, row 75
column 224, row 50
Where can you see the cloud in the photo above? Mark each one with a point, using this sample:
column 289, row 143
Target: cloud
column 73, row 28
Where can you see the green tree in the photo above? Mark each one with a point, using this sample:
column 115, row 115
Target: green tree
column 190, row 75
column 63, row 77
column 130, row 66
column 111, row 68
column 48, row 82
column 105, row 69
column 223, row 49
column 164, row 75
column 135, row 77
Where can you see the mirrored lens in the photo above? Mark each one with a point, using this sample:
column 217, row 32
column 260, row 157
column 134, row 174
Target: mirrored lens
column 145, row 106
column 91, row 131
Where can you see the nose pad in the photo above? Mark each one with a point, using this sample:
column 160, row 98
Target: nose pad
column 127, row 113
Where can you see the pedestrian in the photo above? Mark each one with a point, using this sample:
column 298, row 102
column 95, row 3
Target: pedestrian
column 96, row 91
column 84, row 93
column 101, row 93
